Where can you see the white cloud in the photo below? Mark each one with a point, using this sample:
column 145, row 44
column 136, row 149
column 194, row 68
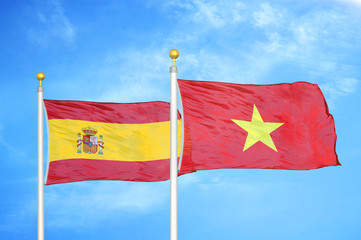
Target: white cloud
column 215, row 14
column 338, row 88
column 207, row 65
column 52, row 23
column 218, row 15
column 310, row 41
column 268, row 16
column 134, row 75
column 352, row 2
column 283, row 37
column 347, row 85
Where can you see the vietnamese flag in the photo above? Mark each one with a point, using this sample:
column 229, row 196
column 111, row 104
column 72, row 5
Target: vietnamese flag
column 281, row 126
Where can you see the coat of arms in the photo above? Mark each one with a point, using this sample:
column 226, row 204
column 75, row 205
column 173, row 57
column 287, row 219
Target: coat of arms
column 90, row 142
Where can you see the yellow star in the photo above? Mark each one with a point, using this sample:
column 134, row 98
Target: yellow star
column 258, row 130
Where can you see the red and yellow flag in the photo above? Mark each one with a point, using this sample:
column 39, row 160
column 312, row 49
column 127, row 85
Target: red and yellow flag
column 282, row 126
column 108, row 141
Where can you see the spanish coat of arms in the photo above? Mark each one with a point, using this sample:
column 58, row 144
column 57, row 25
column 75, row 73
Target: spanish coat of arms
column 90, row 142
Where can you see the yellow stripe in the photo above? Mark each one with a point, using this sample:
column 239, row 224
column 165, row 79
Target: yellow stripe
column 122, row 142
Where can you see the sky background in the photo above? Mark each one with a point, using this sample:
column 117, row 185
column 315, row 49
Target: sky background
column 117, row 51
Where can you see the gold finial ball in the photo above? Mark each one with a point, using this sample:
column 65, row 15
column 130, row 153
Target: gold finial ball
column 40, row 76
column 173, row 53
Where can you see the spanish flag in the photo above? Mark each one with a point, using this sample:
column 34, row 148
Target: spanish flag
column 108, row 141
column 280, row 126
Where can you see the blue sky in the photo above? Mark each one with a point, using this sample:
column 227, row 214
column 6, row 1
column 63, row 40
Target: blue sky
column 117, row 51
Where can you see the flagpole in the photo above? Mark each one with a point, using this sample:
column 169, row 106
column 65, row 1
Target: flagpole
column 40, row 76
column 173, row 148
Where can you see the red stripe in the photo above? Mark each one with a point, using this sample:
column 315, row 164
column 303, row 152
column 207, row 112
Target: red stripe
column 146, row 112
column 75, row 170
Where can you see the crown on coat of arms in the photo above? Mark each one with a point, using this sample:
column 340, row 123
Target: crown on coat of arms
column 89, row 131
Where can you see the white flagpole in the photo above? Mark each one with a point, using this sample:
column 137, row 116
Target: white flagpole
column 173, row 148
column 40, row 76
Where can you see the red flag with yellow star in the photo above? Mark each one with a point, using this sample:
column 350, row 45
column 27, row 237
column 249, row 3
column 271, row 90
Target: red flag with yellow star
column 281, row 126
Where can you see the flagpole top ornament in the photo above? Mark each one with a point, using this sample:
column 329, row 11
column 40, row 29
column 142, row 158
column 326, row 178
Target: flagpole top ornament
column 40, row 76
column 173, row 54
